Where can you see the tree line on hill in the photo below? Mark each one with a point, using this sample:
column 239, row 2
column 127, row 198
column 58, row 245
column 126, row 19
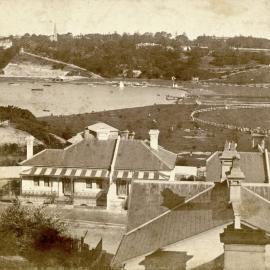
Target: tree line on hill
column 158, row 55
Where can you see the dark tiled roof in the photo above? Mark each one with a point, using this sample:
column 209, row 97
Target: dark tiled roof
column 213, row 168
column 255, row 210
column 262, row 190
column 149, row 199
column 137, row 155
column 253, row 167
column 251, row 163
column 92, row 153
column 206, row 210
column 85, row 154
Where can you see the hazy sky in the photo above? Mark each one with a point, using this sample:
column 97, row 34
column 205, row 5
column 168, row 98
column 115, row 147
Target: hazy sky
column 195, row 17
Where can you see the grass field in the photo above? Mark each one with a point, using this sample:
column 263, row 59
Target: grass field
column 177, row 132
column 252, row 118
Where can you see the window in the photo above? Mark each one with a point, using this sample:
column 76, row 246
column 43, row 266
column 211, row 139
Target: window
column 88, row 183
column 46, row 182
column 36, row 181
column 99, row 184
column 122, row 188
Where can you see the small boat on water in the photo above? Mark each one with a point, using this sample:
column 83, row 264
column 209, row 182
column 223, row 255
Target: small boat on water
column 37, row 89
column 121, row 85
column 45, row 110
column 47, row 85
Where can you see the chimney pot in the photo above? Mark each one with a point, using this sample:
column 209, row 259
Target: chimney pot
column 132, row 135
column 154, row 133
column 124, row 134
column 87, row 133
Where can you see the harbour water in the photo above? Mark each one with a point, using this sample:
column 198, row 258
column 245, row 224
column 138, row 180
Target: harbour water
column 74, row 98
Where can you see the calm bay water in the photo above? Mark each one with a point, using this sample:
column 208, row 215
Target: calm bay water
column 69, row 98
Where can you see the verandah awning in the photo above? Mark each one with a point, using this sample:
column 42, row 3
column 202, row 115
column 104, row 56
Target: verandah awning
column 65, row 172
column 140, row 175
column 91, row 173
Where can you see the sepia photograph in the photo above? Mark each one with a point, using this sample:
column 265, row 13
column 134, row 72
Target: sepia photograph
column 134, row 135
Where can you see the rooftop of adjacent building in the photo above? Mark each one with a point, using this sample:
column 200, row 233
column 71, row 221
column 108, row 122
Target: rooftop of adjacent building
column 161, row 214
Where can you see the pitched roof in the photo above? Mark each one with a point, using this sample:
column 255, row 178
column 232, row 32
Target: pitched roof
column 204, row 211
column 255, row 209
column 93, row 153
column 251, row 163
column 100, row 125
column 150, row 199
column 137, row 155
column 84, row 154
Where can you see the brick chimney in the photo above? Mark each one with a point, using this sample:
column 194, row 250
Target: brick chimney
column 124, row 134
column 153, row 133
column 29, row 146
column 131, row 135
column 226, row 158
column 235, row 178
column 258, row 141
column 244, row 249
column 86, row 134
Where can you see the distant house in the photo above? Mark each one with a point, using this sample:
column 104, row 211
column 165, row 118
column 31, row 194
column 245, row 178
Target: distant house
column 95, row 169
column 222, row 224
column 185, row 48
column 95, row 130
column 147, row 44
column 5, row 43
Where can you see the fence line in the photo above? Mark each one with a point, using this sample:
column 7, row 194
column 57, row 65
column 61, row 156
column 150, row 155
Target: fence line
column 196, row 119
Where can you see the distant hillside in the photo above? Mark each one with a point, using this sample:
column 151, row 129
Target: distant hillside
column 259, row 75
column 26, row 64
column 27, row 123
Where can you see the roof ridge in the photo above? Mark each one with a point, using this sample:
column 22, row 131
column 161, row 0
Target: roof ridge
column 256, row 194
column 163, row 148
column 170, row 210
column 73, row 144
column 211, row 156
column 42, row 151
column 151, row 150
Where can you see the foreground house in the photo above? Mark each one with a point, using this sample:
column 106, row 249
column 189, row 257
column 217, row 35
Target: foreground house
column 94, row 170
column 222, row 223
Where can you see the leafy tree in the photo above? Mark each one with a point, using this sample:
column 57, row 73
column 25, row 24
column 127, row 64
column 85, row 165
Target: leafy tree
column 40, row 238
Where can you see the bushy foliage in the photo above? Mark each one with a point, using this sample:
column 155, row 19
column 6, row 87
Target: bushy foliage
column 40, row 238
column 23, row 230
